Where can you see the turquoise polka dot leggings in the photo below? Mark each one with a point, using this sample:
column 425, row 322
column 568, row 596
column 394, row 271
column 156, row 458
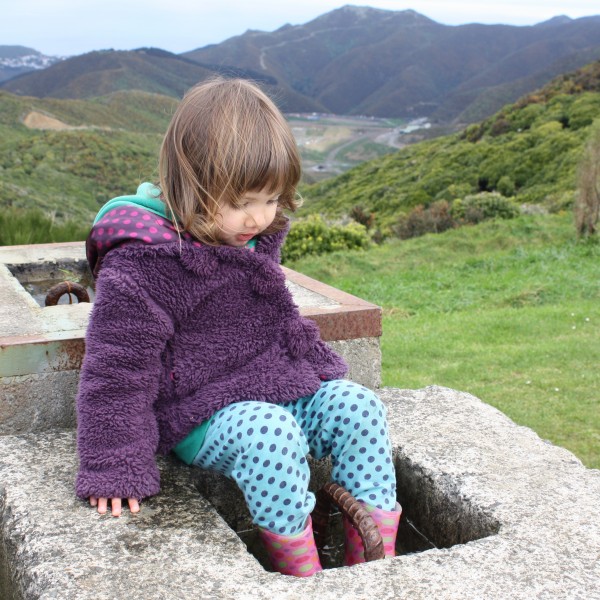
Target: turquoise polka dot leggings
column 263, row 448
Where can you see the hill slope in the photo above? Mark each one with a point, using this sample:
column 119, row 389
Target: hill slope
column 102, row 147
column 95, row 149
column 530, row 148
column 146, row 69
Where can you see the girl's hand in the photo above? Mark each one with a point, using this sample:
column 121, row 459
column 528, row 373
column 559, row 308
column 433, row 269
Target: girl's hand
column 101, row 503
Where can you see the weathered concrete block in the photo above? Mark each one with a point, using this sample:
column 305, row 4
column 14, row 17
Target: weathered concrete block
column 38, row 402
column 363, row 357
column 511, row 516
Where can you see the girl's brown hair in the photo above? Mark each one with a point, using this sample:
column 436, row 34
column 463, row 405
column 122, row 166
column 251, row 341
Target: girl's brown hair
column 225, row 139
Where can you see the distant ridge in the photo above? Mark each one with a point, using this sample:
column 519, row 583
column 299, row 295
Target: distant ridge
column 361, row 60
column 104, row 71
column 352, row 60
column 17, row 60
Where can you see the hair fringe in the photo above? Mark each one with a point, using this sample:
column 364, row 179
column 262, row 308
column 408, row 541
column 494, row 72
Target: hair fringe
column 226, row 138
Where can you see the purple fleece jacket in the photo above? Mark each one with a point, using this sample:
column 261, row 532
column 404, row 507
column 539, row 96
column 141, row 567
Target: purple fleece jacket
column 177, row 332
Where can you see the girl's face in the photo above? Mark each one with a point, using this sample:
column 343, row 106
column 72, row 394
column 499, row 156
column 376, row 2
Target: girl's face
column 255, row 213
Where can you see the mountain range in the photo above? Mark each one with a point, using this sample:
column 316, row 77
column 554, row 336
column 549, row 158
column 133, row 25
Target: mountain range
column 17, row 60
column 352, row 60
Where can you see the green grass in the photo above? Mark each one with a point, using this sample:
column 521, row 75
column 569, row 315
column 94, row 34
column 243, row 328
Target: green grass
column 508, row 311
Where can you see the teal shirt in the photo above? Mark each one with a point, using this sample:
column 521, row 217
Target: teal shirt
column 189, row 446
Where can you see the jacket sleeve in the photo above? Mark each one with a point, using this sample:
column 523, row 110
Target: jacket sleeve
column 117, row 429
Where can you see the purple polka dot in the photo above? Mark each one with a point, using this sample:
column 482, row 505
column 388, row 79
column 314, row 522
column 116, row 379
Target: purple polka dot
column 127, row 221
column 167, row 236
column 134, row 213
column 159, row 222
column 122, row 212
column 101, row 231
column 133, row 234
column 111, row 230
column 147, row 239
column 121, row 232
column 113, row 212
column 115, row 220
column 99, row 245
column 139, row 225
column 146, row 217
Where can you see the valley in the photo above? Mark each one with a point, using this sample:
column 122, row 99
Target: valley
column 331, row 144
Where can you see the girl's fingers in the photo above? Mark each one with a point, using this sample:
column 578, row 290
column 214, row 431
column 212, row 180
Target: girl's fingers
column 102, row 505
column 116, row 507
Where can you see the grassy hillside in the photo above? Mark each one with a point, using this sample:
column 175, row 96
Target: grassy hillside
column 528, row 150
column 104, row 146
column 506, row 310
column 99, row 148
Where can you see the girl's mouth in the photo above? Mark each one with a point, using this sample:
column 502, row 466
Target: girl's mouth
column 245, row 237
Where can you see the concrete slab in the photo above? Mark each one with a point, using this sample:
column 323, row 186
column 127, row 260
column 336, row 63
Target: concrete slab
column 465, row 472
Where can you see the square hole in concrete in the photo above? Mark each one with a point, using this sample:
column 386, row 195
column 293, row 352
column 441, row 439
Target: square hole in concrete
column 432, row 516
column 37, row 278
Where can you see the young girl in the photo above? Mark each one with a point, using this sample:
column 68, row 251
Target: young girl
column 195, row 344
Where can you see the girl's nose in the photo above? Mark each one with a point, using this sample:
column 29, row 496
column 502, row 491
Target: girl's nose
column 256, row 218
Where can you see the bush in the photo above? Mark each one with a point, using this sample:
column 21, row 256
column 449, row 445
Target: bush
column 313, row 236
column 486, row 205
column 434, row 219
column 506, row 186
column 587, row 199
column 362, row 216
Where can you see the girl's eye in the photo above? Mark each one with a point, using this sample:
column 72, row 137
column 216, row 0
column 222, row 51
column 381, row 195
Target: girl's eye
column 274, row 201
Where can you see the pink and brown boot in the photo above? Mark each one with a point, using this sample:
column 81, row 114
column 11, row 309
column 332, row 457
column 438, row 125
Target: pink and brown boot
column 387, row 524
column 292, row 555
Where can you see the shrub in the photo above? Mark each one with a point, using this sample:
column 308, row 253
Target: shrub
column 587, row 200
column 436, row 218
column 314, row 236
column 362, row 216
column 486, row 205
column 506, row 186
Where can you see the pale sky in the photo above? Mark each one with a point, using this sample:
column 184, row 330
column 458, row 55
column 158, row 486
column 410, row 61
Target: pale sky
column 69, row 27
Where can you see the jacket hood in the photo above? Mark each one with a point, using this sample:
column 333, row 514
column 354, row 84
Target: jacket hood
column 140, row 218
